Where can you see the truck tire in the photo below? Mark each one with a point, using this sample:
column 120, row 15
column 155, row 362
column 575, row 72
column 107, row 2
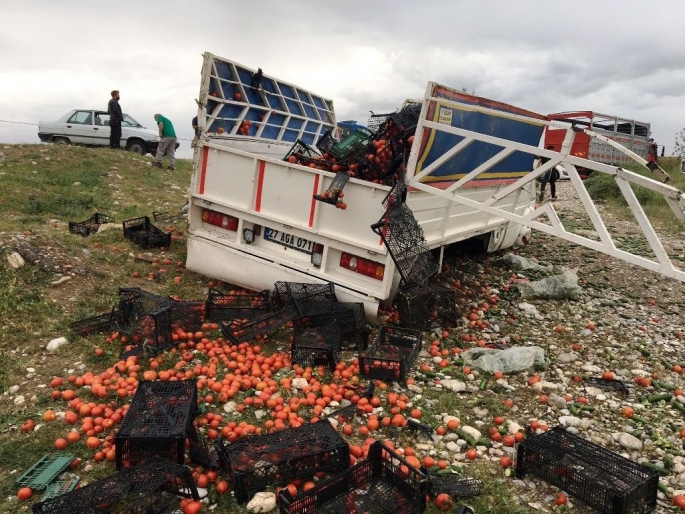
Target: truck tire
column 137, row 146
column 61, row 141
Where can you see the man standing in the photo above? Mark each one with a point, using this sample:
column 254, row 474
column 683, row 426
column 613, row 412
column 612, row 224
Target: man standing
column 115, row 119
column 167, row 143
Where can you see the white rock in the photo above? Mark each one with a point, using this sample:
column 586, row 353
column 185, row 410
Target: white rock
column 15, row 260
column 544, row 385
column 19, row 400
column 299, row 383
column 513, row 427
column 262, row 502
column 473, row 432
column 31, row 370
column 453, row 385
column 590, row 368
column 453, row 447
column 569, row 421
column 259, row 414
column 230, row 407
column 14, row 389
column 60, row 281
column 437, row 360
column 565, row 357
column 56, row 343
column 592, row 391
column 629, row 441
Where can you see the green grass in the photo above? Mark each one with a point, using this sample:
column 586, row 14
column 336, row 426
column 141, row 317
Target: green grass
column 603, row 187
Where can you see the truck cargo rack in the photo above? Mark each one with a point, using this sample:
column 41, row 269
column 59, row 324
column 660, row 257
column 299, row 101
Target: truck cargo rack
column 499, row 204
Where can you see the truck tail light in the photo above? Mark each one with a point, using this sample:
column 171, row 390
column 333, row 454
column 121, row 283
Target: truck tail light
column 317, row 255
column 219, row 219
column 362, row 266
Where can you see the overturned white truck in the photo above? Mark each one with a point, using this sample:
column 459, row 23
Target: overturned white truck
column 464, row 169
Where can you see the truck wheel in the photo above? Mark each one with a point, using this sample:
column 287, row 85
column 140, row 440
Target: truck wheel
column 137, row 147
column 61, row 141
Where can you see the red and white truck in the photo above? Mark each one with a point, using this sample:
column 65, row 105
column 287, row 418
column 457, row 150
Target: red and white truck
column 630, row 134
column 469, row 170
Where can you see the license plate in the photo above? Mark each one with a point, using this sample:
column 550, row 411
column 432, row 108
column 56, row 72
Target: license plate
column 288, row 240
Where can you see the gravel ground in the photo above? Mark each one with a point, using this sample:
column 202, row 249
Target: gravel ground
column 623, row 320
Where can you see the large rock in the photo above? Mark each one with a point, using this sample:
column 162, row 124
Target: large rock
column 262, row 502
column 629, row 441
column 56, row 343
column 15, row 260
column 453, row 385
column 473, row 432
column 299, row 383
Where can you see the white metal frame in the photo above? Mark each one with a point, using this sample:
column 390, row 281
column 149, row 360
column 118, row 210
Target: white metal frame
column 674, row 197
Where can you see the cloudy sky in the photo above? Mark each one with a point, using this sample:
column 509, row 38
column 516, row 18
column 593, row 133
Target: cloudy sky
column 619, row 57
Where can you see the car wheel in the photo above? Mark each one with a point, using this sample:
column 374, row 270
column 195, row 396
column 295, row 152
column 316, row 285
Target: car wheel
column 61, row 141
column 137, row 147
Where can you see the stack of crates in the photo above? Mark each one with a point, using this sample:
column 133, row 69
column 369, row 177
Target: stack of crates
column 157, row 423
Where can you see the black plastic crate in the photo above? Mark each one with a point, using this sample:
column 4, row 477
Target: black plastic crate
column 332, row 194
column 382, row 484
column 376, row 121
column 345, row 414
column 157, row 422
column 325, row 142
column 357, row 340
column 143, row 233
column 596, row 476
column 403, row 236
column 454, row 485
column 135, row 302
column 300, row 149
column 199, row 450
column 257, row 462
column 417, row 428
column 614, row 385
column 238, row 305
column 428, row 306
column 350, row 316
column 239, row 332
column 300, row 292
column 188, row 316
column 392, row 355
column 95, row 324
column 89, row 226
column 151, row 334
column 316, row 346
column 131, row 490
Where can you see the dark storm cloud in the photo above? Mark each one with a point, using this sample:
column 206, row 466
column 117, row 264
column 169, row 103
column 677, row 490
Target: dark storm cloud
column 543, row 56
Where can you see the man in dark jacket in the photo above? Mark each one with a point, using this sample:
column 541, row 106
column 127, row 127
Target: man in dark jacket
column 115, row 119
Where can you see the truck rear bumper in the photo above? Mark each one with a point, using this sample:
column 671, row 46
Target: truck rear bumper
column 222, row 262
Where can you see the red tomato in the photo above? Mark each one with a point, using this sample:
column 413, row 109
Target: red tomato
column 679, row 501
column 193, row 507
column 561, row 499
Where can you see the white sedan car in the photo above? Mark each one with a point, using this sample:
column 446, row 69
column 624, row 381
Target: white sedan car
column 91, row 127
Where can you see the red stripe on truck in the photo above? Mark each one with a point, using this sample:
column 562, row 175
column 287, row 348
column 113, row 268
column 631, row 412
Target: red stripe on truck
column 203, row 174
column 260, row 183
column 313, row 207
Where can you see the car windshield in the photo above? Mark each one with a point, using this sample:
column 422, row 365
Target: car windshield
column 130, row 122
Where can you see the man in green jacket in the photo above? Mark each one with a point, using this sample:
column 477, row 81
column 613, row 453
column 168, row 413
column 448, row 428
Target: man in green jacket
column 167, row 143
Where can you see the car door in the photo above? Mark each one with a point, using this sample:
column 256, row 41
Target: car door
column 101, row 129
column 79, row 128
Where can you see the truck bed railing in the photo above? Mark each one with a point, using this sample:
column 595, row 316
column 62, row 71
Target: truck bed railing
column 623, row 177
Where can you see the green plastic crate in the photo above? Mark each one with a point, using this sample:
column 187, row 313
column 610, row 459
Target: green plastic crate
column 343, row 148
column 59, row 488
column 45, row 470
